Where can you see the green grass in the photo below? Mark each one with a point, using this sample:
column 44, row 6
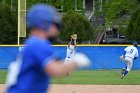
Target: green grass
column 100, row 77
column 2, row 76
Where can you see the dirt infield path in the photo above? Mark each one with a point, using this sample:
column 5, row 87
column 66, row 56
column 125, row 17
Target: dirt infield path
column 57, row 88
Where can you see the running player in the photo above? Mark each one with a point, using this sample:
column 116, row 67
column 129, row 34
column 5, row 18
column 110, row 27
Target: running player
column 129, row 55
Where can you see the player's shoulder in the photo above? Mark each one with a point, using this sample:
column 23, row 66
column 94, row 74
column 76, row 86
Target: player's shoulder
column 130, row 47
column 136, row 49
column 36, row 43
column 133, row 47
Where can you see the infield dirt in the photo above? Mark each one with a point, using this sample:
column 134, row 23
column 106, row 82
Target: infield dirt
column 71, row 88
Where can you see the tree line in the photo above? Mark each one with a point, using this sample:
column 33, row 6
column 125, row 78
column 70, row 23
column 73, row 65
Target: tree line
column 8, row 23
column 126, row 14
column 74, row 22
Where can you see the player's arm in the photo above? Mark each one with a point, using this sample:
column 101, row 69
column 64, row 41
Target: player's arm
column 136, row 56
column 58, row 69
column 74, row 37
column 124, row 53
column 70, row 42
column 75, row 43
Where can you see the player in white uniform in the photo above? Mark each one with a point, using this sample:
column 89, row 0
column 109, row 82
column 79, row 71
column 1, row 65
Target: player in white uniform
column 129, row 55
column 71, row 50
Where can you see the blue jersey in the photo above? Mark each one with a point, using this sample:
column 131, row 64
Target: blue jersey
column 32, row 78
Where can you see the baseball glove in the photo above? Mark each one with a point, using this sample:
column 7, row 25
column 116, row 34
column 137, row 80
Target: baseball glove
column 122, row 58
column 74, row 36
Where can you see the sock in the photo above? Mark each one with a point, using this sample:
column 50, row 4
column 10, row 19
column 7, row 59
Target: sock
column 126, row 67
column 125, row 72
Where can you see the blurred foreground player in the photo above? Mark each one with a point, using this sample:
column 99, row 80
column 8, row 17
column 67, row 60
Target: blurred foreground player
column 129, row 55
column 34, row 66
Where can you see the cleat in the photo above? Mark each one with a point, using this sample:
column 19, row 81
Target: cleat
column 122, row 77
column 67, row 75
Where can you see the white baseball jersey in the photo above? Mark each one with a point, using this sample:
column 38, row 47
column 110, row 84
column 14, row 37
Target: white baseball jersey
column 131, row 52
column 71, row 50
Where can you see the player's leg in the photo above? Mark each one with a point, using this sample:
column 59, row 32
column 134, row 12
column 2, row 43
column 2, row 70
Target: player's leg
column 123, row 69
column 67, row 61
column 128, row 68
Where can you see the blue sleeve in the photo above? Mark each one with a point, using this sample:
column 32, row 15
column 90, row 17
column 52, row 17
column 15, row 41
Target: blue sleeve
column 42, row 54
column 124, row 52
column 135, row 57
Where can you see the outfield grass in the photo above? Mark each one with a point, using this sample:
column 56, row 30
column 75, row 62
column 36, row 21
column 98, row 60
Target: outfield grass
column 100, row 77
column 2, row 76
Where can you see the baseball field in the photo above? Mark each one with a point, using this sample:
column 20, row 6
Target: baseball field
column 91, row 81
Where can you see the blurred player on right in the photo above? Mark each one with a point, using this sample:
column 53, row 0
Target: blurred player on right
column 129, row 55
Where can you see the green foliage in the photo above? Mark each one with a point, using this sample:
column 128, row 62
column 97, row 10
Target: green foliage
column 8, row 25
column 68, row 5
column 79, row 4
column 76, row 23
column 65, row 5
column 56, row 3
column 133, row 31
column 116, row 8
column 97, row 7
column 32, row 2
